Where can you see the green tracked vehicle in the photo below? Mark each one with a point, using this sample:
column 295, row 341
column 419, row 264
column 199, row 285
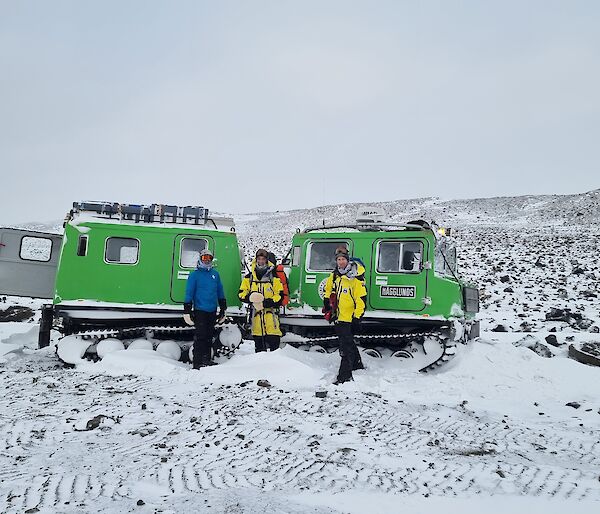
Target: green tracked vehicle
column 120, row 271
column 417, row 306
column 123, row 269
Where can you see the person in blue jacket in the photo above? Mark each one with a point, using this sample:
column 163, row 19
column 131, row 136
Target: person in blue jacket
column 203, row 294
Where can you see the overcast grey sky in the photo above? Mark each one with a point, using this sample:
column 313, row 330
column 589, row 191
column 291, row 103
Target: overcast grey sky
column 269, row 105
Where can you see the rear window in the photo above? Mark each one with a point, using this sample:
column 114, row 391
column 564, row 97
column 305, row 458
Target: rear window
column 190, row 251
column 122, row 250
column 322, row 255
column 399, row 257
column 35, row 249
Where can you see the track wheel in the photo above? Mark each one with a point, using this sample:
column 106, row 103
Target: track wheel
column 403, row 354
column 372, row 352
column 450, row 350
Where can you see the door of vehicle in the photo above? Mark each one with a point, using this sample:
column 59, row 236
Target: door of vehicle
column 186, row 252
column 28, row 262
column 319, row 262
column 399, row 277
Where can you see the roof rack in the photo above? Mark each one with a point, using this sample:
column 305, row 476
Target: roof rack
column 154, row 213
column 381, row 227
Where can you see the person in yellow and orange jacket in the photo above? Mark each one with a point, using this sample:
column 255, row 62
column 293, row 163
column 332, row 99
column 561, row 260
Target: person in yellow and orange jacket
column 264, row 292
column 344, row 304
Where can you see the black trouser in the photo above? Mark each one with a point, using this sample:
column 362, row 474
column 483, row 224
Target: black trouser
column 203, row 337
column 348, row 351
column 262, row 343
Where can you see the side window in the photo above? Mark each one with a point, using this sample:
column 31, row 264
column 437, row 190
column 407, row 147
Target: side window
column 389, row 257
column 322, row 255
column 35, row 249
column 82, row 244
column 412, row 254
column 122, row 250
column 451, row 258
column 190, row 251
column 445, row 258
column 296, row 256
column 399, row 257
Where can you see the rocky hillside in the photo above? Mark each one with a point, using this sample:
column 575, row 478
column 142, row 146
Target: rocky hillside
column 524, row 213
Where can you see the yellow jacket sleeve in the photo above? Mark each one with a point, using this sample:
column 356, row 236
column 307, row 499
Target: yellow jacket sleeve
column 277, row 290
column 244, row 289
column 359, row 292
column 328, row 287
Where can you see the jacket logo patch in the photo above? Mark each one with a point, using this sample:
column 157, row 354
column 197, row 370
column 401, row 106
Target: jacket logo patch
column 322, row 288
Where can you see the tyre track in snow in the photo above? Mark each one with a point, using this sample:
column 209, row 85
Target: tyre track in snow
column 188, row 441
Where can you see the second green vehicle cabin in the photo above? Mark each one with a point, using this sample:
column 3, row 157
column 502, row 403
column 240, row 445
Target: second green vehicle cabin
column 411, row 279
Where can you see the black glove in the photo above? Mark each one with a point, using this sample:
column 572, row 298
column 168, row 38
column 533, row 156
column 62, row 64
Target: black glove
column 268, row 302
column 222, row 307
column 326, row 305
column 355, row 325
column 187, row 308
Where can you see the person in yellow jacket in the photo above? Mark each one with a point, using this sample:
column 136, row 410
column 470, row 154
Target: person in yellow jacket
column 264, row 292
column 344, row 304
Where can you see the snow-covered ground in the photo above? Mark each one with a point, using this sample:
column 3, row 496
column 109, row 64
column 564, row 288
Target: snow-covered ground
column 137, row 426
column 490, row 432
